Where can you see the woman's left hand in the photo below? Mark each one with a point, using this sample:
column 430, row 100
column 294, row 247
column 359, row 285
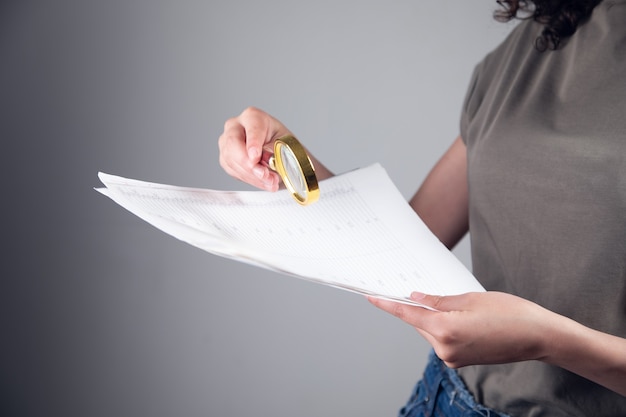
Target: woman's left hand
column 477, row 328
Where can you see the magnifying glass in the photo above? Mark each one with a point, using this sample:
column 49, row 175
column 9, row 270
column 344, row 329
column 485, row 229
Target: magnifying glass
column 295, row 168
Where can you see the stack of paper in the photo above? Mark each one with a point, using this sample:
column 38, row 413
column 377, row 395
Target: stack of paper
column 361, row 235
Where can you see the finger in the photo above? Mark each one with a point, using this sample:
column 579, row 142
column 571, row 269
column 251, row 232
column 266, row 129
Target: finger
column 413, row 315
column 440, row 302
column 258, row 127
column 406, row 313
column 235, row 160
column 233, row 155
column 423, row 320
column 258, row 176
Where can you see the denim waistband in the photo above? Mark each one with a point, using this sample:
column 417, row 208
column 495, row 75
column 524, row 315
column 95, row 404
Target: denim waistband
column 442, row 392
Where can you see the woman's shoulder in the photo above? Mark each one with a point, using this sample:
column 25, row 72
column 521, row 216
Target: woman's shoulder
column 602, row 36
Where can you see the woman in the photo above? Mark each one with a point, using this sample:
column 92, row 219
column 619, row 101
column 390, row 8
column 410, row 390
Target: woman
column 538, row 174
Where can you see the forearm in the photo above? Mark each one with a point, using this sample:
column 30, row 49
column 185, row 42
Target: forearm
column 597, row 356
column 321, row 172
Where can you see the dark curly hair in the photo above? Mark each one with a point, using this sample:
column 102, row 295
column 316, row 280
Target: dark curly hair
column 560, row 18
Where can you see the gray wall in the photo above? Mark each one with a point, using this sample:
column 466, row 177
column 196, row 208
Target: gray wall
column 102, row 315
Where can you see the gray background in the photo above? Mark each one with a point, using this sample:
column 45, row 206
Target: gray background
column 102, row 315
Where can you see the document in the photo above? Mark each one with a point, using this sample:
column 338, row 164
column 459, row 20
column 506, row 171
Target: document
column 361, row 235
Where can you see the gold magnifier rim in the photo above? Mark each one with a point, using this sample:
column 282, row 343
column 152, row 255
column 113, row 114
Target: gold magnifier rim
column 305, row 166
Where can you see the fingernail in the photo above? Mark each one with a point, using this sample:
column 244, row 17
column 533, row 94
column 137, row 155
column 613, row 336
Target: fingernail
column 416, row 296
column 270, row 184
column 258, row 171
column 253, row 153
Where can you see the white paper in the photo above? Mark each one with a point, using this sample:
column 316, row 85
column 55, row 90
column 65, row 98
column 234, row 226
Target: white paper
column 361, row 235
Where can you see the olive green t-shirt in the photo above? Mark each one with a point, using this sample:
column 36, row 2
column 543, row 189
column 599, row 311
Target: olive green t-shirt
column 546, row 141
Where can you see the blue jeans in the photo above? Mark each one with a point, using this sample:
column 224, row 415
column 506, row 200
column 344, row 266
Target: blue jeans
column 442, row 393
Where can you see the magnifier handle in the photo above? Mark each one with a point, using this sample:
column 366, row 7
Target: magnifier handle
column 290, row 160
column 267, row 159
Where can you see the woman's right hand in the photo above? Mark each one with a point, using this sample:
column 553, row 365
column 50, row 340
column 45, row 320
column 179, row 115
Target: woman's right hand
column 241, row 147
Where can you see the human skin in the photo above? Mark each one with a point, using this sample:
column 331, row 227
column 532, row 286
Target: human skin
column 468, row 329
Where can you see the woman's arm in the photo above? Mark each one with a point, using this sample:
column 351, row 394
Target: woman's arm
column 597, row 356
column 442, row 200
column 493, row 327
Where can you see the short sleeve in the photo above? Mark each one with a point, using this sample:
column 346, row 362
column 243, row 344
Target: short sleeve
column 470, row 104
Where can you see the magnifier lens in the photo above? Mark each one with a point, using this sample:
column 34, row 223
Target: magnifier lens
column 293, row 171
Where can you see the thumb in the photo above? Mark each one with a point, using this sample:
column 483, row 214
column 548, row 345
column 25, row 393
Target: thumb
column 439, row 302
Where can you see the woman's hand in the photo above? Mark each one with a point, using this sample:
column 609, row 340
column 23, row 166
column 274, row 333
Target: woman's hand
column 492, row 327
column 477, row 328
column 241, row 147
